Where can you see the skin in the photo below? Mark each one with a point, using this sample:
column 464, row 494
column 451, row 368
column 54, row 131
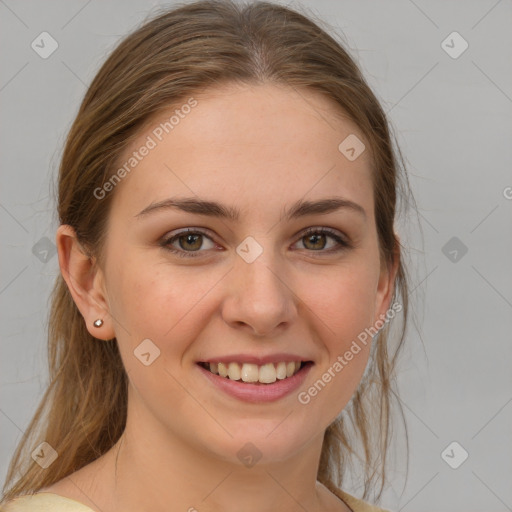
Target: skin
column 238, row 146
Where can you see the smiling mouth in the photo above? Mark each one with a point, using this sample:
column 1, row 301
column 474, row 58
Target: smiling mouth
column 256, row 374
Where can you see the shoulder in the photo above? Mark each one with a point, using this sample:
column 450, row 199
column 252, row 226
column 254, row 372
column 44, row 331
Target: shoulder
column 43, row 502
column 356, row 504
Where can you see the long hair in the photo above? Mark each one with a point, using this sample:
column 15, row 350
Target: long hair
column 170, row 56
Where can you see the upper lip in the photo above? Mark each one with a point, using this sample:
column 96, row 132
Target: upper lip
column 258, row 360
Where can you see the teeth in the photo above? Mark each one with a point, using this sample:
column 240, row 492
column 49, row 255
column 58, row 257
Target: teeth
column 234, row 371
column 249, row 372
column 281, row 371
column 268, row 373
column 223, row 371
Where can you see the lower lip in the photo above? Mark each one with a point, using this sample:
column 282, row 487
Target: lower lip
column 257, row 393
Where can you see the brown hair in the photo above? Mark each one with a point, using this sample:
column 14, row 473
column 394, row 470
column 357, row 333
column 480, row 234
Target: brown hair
column 168, row 58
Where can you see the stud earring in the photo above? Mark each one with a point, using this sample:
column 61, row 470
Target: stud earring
column 98, row 323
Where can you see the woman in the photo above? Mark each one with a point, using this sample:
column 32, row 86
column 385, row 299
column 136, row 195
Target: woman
column 229, row 276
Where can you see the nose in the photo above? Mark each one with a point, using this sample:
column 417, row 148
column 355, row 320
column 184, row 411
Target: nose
column 259, row 296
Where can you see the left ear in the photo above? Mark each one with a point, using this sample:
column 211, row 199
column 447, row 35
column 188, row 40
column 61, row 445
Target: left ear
column 386, row 285
column 85, row 282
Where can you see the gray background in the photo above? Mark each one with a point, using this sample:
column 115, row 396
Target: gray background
column 453, row 120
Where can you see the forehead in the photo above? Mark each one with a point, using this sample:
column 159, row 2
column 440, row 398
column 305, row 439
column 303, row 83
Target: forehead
column 250, row 145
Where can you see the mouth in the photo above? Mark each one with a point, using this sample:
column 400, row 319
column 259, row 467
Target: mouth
column 250, row 373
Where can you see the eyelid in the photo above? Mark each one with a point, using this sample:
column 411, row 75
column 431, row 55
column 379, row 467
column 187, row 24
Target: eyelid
column 342, row 240
column 325, row 230
column 166, row 240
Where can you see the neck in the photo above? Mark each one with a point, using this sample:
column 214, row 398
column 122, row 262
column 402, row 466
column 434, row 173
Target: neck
column 161, row 473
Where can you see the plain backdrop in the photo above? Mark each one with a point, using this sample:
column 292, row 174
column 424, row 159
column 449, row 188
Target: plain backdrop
column 442, row 70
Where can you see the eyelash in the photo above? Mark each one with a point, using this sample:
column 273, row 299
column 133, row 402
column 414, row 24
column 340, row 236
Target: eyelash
column 165, row 243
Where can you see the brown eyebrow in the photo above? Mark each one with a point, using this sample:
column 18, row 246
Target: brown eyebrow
column 300, row 208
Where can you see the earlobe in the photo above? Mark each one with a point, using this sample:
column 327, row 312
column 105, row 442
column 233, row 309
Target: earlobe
column 386, row 284
column 85, row 283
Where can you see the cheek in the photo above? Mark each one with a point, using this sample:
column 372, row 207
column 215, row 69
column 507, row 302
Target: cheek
column 150, row 307
column 344, row 301
column 343, row 305
column 158, row 301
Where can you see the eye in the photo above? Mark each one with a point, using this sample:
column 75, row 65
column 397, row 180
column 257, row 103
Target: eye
column 315, row 240
column 189, row 242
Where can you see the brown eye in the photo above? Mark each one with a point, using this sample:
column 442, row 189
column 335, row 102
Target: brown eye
column 316, row 239
column 189, row 242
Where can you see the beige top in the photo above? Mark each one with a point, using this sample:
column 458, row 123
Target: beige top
column 50, row 502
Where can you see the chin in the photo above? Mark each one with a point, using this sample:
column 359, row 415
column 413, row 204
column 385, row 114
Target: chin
column 262, row 441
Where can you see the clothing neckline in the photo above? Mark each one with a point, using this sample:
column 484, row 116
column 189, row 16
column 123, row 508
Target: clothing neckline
column 83, row 505
column 346, row 498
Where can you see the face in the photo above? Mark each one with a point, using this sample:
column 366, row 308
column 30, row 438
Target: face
column 186, row 286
